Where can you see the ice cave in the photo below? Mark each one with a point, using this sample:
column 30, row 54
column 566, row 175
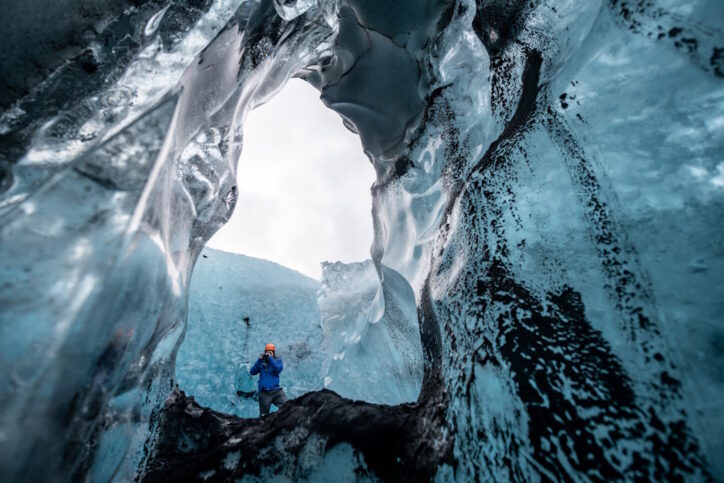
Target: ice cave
column 545, row 291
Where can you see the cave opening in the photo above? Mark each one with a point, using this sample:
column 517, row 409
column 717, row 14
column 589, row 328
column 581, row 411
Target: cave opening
column 292, row 267
column 303, row 186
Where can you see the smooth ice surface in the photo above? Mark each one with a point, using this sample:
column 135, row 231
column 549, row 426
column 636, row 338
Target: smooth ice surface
column 370, row 334
column 548, row 190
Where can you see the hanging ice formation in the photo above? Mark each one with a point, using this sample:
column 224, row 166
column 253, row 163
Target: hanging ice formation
column 549, row 186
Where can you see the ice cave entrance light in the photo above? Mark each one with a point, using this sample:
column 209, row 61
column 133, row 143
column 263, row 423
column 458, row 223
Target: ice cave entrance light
column 304, row 186
column 303, row 198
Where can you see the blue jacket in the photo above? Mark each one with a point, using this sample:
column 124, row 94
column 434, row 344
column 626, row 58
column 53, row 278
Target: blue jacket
column 268, row 373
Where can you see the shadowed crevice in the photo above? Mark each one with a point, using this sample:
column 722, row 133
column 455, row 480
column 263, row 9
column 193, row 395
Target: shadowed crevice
column 397, row 442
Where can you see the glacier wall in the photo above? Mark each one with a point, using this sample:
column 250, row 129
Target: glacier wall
column 370, row 338
column 549, row 187
column 348, row 333
column 236, row 305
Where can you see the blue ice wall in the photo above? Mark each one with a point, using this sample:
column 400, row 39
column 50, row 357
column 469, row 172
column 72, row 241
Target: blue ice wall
column 549, row 190
column 237, row 305
column 346, row 333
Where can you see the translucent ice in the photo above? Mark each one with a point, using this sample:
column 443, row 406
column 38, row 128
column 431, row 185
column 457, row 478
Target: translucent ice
column 549, row 190
column 370, row 330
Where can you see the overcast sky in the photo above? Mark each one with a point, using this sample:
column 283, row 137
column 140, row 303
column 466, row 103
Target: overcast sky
column 304, row 186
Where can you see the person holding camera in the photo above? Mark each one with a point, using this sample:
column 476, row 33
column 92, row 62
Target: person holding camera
column 268, row 366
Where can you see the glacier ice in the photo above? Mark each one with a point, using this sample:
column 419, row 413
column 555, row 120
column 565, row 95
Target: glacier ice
column 331, row 335
column 236, row 305
column 549, row 190
column 370, row 337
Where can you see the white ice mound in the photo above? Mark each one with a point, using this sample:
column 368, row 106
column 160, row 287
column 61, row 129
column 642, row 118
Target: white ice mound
column 371, row 333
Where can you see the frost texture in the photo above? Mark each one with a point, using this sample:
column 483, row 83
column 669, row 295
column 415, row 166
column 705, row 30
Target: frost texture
column 549, row 187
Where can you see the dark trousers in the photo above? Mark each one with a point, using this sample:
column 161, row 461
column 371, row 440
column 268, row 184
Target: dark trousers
column 266, row 398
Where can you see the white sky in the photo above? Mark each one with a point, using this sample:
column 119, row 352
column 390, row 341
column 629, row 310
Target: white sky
column 304, row 186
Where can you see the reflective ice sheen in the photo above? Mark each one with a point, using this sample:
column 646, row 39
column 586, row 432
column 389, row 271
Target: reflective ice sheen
column 549, row 191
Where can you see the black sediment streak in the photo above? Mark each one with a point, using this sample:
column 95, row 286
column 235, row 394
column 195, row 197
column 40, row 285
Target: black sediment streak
column 630, row 292
column 499, row 22
column 431, row 338
column 514, row 127
column 395, row 441
column 550, row 346
column 702, row 45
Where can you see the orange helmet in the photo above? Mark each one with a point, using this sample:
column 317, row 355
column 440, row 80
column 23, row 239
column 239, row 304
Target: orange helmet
column 270, row 347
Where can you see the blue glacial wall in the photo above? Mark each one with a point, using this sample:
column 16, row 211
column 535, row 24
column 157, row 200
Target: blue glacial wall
column 348, row 333
column 238, row 304
column 549, row 189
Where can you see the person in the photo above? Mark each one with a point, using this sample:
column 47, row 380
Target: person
column 268, row 366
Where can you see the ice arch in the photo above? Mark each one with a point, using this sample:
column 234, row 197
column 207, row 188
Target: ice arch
column 553, row 315
column 303, row 199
